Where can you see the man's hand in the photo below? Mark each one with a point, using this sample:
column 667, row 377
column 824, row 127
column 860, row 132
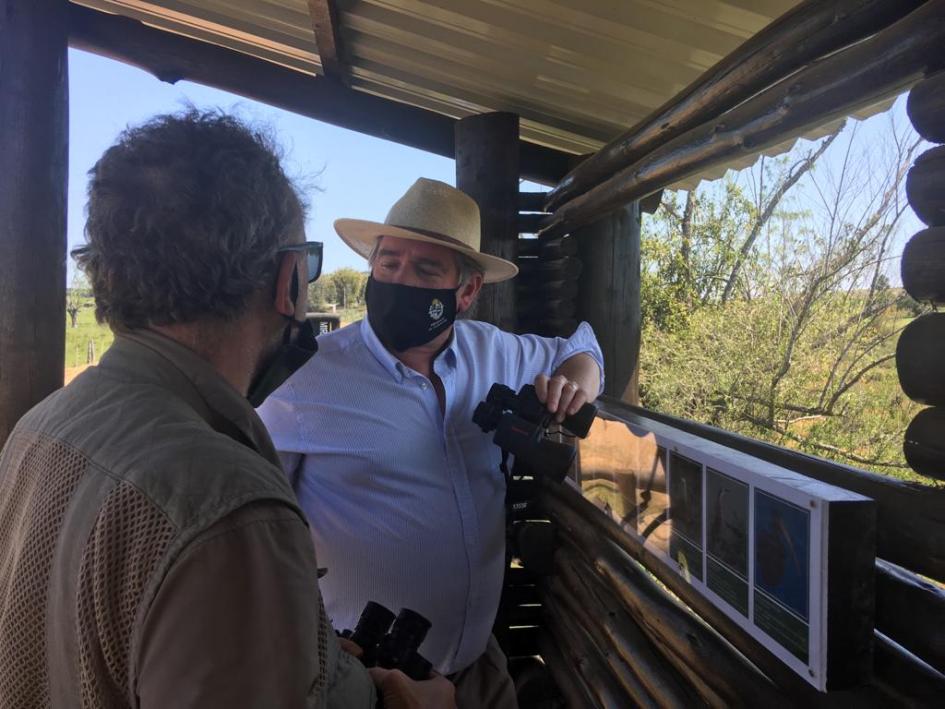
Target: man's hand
column 350, row 647
column 562, row 396
column 576, row 383
column 400, row 692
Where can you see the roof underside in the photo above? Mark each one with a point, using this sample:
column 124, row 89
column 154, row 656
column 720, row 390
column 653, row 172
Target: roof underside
column 577, row 72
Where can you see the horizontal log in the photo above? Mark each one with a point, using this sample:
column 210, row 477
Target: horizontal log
column 900, row 673
column 556, row 248
column 530, row 223
column 828, row 89
column 911, row 611
column 923, row 266
column 924, row 443
column 810, row 30
column 549, row 289
column 587, row 660
column 574, row 690
column 876, row 694
column 559, row 309
column 627, row 676
column 549, row 328
column 522, row 641
column 665, row 675
column 532, row 201
column 171, row 57
column 567, row 268
column 925, row 186
column 910, row 516
column 920, row 355
column 926, row 108
column 696, row 649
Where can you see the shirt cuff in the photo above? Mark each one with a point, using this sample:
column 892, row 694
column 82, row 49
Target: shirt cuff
column 582, row 341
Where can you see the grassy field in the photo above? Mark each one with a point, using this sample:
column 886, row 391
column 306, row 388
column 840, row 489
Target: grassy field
column 87, row 338
column 90, row 338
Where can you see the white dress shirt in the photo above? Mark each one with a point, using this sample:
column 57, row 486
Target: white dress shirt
column 406, row 503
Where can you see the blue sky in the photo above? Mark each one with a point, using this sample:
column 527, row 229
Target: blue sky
column 355, row 175
column 358, row 176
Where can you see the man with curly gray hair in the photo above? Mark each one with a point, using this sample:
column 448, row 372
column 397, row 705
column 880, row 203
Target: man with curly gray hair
column 152, row 553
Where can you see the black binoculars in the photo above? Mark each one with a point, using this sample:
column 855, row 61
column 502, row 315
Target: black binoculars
column 392, row 642
column 520, row 422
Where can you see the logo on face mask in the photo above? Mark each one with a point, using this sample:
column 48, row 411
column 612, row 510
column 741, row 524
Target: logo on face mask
column 436, row 309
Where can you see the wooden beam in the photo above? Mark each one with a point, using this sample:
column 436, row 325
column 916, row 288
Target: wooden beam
column 173, row 58
column 899, row 674
column 609, row 291
column 34, row 153
column 655, row 632
column 808, row 31
column 920, row 354
column 923, row 266
column 828, row 89
column 926, row 108
column 924, row 443
column 925, row 186
column 487, row 169
column 911, row 610
column 910, row 517
column 324, row 14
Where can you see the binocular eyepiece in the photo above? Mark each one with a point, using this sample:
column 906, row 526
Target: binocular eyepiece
column 392, row 642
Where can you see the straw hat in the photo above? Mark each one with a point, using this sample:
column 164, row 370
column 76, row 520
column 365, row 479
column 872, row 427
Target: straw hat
column 434, row 212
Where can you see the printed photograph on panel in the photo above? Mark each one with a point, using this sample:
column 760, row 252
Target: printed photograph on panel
column 727, row 538
column 782, row 571
column 685, row 512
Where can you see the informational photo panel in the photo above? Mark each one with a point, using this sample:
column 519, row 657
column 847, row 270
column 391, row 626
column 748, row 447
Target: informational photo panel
column 727, row 512
column 750, row 536
column 685, row 515
column 782, row 572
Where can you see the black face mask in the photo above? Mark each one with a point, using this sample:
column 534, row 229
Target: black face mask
column 406, row 316
column 286, row 360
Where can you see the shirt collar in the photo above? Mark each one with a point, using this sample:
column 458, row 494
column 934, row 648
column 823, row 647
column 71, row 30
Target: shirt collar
column 150, row 356
column 397, row 369
column 393, row 365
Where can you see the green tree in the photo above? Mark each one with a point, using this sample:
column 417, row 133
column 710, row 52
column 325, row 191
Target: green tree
column 780, row 322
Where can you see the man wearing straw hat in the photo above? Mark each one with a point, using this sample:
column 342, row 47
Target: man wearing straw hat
column 403, row 491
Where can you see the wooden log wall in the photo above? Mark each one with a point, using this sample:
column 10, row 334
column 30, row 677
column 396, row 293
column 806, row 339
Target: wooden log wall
column 676, row 646
column 921, row 347
column 34, row 134
column 546, row 288
column 844, row 78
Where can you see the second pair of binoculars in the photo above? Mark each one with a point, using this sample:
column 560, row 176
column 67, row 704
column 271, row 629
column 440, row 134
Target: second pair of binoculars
column 392, row 642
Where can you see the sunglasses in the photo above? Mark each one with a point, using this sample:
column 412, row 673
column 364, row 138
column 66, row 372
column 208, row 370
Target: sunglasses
column 313, row 256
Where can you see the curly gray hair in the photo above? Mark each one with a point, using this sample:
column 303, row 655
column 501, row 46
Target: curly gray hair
column 185, row 217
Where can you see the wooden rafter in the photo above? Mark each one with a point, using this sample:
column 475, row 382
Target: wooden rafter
column 324, row 14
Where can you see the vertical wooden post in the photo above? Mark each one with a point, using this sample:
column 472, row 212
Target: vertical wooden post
column 609, row 295
column 487, row 169
column 34, row 133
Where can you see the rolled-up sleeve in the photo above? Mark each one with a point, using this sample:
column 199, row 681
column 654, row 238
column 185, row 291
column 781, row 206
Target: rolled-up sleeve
column 238, row 622
column 543, row 355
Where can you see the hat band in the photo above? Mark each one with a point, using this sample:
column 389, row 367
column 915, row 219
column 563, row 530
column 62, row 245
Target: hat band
column 436, row 235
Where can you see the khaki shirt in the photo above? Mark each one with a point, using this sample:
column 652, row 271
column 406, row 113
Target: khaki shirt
column 152, row 553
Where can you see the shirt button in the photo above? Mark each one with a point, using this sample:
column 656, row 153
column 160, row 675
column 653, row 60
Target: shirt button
column 423, row 385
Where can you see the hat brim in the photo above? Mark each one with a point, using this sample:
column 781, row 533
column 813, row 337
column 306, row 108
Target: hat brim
column 361, row 236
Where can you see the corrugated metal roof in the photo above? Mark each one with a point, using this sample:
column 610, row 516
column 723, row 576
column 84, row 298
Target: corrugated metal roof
column 577, row 72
